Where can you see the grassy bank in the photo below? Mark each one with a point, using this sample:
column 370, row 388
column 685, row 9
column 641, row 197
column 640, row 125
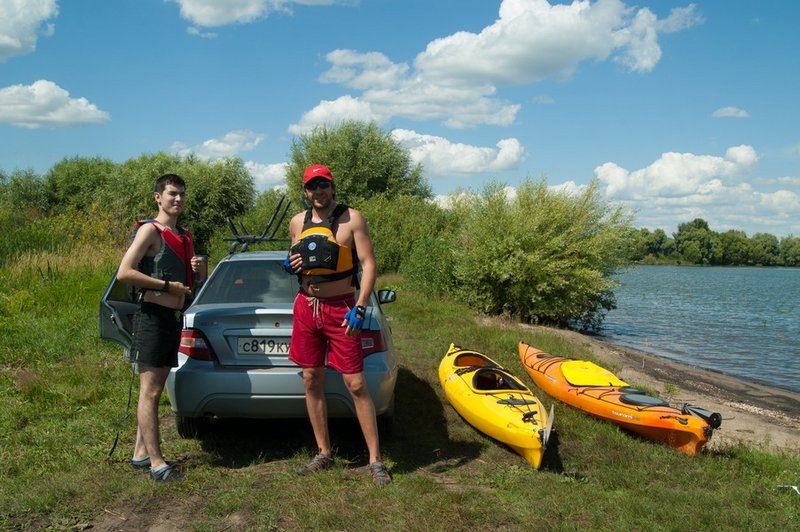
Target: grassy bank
column 64, row 392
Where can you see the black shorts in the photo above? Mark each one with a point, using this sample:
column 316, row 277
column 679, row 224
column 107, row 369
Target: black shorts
column 156, row 336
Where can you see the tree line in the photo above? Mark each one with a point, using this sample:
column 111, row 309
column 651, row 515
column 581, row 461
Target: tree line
column 696, row 243
column 541, row 256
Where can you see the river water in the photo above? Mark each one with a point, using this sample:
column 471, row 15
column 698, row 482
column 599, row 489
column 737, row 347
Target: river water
column 740, row 321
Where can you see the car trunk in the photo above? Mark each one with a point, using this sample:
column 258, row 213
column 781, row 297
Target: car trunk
column 245, row 335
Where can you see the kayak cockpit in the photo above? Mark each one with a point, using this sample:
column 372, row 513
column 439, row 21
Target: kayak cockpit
column 485, row 379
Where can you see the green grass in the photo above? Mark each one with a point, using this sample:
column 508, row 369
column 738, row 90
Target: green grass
column 64, row 391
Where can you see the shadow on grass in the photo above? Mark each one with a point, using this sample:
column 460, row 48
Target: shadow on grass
column 418, row 438
column 236, row 443
column 551, row 460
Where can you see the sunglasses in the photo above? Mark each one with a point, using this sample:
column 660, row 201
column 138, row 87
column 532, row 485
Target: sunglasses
column 314, row 185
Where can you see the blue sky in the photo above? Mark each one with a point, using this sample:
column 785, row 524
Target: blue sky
column 679, row 110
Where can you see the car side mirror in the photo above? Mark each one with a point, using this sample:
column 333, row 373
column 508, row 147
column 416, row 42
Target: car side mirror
column 387, row 296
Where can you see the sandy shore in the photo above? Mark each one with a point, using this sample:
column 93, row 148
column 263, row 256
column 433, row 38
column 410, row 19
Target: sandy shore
column 751, row 413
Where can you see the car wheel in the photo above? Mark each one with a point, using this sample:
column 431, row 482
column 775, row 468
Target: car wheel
column 386, row 421
column 191, row 427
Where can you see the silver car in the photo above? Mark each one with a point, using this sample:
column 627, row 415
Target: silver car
column 233, row 357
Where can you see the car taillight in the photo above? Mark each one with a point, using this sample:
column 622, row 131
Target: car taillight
column 194, row 345
column 372, row 342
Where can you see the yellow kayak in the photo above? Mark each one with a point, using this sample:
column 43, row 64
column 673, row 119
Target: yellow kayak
column 495, row 402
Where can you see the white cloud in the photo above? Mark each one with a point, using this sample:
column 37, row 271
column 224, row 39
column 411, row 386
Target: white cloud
column 569, row 187
column 743, row 156
column 456, row 78
column 676, row 174
column 267, row 176
column 210, row 13
column 332, row 113
column 533, row 40
column 232, row 144
column 679, row 19
column 730, row 112
column 191, row 30
column 20, row 23
column 679, row 187
column 363, row 71
column 389, row 91
column 638, row 42
column 229, row 145
column 44, row 104
column 441, row 157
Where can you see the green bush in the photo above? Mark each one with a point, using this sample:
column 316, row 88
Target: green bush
column 75, row 183
column 124, row 193
column 215, row 191
column 543, row 256
column 397, row 224
column 25, row 191
column 429, row 267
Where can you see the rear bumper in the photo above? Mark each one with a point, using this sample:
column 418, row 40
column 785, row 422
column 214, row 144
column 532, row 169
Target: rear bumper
column 200, row 388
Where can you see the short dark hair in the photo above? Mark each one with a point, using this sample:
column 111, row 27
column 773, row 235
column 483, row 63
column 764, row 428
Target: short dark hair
column 169, row 179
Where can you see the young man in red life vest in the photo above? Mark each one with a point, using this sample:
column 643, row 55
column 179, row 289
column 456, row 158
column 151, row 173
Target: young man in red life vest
column 159, row 262
column 327, row 316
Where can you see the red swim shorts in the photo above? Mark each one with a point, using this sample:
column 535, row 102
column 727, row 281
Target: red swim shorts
column 317, row 328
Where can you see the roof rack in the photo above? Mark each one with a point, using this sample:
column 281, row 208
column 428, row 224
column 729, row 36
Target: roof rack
column 242, row 237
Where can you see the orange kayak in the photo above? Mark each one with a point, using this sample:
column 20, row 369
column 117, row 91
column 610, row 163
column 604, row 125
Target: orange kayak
column 599, row 392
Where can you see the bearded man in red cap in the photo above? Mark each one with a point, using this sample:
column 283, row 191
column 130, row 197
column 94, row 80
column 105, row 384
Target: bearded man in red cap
column 329, row 242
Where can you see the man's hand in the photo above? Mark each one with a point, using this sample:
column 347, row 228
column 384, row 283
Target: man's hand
column 291, row 263
column 287, row 265
column 354, row 320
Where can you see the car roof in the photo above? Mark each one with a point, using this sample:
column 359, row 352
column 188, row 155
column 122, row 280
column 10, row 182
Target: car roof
column 256, row 255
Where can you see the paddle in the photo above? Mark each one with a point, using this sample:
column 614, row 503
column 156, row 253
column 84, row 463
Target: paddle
column 548, row 428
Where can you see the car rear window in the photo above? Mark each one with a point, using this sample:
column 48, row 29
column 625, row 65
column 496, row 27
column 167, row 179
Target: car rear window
column 249, row 281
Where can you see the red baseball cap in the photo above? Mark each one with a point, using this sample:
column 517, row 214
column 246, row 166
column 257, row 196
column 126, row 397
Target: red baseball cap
column 317, row 170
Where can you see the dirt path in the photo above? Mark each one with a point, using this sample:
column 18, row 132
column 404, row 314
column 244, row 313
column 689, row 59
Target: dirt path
column 751, row 413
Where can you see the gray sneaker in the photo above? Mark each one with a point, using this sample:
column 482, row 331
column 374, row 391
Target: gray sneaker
column 318, row 463
column 380, row 475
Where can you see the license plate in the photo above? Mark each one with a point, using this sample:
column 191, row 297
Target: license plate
column 263, row 346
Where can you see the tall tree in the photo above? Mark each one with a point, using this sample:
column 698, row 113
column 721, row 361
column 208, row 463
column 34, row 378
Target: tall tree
column 364, row 160
column 766, row 250
column 736, row 248
column 790, row 251
column 697, row 243
column 75, row 182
